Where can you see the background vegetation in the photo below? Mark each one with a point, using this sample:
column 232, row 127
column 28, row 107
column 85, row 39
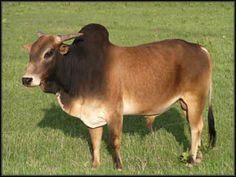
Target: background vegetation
column 39, row 138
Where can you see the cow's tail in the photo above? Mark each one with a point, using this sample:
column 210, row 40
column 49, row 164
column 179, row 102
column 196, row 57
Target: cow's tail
column 211, row 122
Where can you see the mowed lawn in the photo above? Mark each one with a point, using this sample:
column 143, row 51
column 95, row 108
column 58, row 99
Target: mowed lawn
column 39, row 138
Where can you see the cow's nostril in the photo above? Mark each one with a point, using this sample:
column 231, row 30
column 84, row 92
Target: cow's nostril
column 26, row 80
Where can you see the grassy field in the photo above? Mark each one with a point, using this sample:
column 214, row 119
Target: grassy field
column 39, row 138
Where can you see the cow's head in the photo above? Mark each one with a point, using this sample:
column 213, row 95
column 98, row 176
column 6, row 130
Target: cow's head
column 43, row 55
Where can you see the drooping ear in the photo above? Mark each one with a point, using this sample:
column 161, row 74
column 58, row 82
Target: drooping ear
column 64, row 49
column 27, row 47
column 39, row 34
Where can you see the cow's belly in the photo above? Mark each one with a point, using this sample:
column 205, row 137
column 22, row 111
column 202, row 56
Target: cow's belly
column 94, row 113
column 132, row 106
column 91, row 113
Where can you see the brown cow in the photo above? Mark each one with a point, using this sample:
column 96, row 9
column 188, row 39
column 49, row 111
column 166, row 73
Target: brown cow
column 99, row 82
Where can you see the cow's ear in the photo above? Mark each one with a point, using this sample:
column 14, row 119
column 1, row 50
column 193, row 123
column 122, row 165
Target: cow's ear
column 27, row 47
column 64, row 49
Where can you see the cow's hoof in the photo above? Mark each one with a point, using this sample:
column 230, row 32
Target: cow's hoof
column 118, row 164
column 191, row 162
column 119, row 167
column 95, row 165
column 199, row 157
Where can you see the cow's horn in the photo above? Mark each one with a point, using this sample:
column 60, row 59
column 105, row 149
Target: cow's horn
column 69, row 36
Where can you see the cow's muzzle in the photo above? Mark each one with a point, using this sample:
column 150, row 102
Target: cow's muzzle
column 27, row 81
column 31, row 80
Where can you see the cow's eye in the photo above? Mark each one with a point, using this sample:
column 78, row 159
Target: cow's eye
column 49, row 54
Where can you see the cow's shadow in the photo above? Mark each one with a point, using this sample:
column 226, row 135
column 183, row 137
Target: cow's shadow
column 172, row 121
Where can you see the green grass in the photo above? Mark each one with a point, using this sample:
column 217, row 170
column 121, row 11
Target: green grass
column 39, row 138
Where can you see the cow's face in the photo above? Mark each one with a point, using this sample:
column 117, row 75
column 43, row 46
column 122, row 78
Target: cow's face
column 43, row 55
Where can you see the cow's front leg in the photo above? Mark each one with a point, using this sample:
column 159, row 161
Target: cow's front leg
column 115, row 124
column 96, row 138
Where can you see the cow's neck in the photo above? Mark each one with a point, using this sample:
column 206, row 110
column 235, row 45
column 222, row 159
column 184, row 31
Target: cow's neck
column 80, row 75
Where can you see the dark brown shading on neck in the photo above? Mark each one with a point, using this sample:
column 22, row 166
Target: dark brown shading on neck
column 81, row 71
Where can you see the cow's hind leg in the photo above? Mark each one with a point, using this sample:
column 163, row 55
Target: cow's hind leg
column 115, row 125
column 195, row 106
column 96, row 138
